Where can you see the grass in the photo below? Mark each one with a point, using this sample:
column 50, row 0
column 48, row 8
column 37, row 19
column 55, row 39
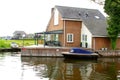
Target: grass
column 6, row 43
column 25, row 42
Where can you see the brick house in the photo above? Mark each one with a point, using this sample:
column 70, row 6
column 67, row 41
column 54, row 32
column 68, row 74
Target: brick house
column 78, row 27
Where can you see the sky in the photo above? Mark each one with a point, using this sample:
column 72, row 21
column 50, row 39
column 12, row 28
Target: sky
column 33, row 16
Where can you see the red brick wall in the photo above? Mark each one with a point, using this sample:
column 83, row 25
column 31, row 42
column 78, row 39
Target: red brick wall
column 100, row 42
column 103, row 42
column 118, row 44
column 61, row 39
column 73, row 27
column 51, row 25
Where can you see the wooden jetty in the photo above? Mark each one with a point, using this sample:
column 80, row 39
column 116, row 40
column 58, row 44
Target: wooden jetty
column 44, row 52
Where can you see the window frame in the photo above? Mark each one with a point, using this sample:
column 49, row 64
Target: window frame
column 84, row 37
column 70, row 37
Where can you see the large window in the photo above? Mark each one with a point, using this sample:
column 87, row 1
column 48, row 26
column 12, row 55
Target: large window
column 56, row 37
column 56, row 17
column 69, row 37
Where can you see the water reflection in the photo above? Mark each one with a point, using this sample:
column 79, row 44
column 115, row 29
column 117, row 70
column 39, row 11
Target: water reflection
column 44, row 68
column 15, row 67
column 60, row 69
column 10, row 67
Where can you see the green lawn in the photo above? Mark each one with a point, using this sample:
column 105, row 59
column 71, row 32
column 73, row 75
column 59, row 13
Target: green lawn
column 6, row 43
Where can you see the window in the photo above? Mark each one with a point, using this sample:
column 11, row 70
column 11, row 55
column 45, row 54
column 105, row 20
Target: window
column 69, row 37
column 56, row 37
column 56, row 17
column 97, row 17
column 84, row 37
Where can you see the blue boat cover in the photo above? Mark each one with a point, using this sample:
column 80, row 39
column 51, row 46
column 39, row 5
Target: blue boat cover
column 78, row 50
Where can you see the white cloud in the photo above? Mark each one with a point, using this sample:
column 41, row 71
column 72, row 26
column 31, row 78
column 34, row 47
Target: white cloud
column 31, row 15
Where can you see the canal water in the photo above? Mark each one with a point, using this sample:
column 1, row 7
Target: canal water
column 15, row 67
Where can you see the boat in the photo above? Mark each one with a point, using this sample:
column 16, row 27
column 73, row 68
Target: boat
column 78, row 53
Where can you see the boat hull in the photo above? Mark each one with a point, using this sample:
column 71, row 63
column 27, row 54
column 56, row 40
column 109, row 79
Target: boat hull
column 80, row 55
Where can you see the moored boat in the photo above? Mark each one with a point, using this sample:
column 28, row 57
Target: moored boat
column 78, row 53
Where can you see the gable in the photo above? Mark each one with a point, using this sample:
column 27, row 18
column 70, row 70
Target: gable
column 86, row 36
column 55, row 25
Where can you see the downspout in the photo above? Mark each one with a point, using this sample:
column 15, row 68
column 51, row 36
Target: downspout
column 94, row 43
column 64, row 33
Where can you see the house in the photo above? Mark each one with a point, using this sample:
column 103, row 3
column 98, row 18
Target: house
column 19, row 34
column 30, row 36
column 78, row 27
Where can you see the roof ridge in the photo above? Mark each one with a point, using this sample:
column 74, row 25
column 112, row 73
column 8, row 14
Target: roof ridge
column 75, row 7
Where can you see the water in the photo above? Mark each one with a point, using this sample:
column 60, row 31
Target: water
column 15, row 67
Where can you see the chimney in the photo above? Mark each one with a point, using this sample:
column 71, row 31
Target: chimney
column 52, row 10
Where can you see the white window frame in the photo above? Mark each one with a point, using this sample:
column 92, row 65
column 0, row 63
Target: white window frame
column 84, row 37
column 56, row 17
column 70, row 37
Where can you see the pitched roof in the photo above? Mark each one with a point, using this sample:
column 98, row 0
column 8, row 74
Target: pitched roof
column 92, row 18
column 19, row 32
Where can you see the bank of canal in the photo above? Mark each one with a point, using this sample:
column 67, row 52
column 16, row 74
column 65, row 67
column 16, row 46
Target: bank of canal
column 56, row 52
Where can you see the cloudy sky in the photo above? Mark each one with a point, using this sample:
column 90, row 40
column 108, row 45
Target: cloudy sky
column 32, row 15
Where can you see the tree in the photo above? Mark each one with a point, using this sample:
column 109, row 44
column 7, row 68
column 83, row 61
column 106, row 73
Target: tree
column 100, row 2
column 112, row 8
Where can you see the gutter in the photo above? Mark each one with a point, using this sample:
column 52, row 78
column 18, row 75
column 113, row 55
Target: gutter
column 99, row 35
column 71, row 19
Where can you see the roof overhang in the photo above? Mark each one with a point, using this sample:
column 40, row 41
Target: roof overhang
column 102, row 36
column 51, row 32
column 99, row 36
column 71, row 19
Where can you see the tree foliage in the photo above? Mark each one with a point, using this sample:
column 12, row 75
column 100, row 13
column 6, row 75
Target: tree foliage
column 112, row 8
